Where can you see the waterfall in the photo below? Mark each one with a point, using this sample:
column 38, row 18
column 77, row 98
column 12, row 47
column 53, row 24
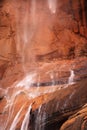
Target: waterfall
column 25, row 122
column 40, row 119
column 27, row 81
column 52, row 5
column 52, row 79
column 16, row 119
column 71, row 78
column 10, row 101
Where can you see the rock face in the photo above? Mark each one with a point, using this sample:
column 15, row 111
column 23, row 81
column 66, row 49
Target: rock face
column 43, row 64
column 48, row 35
column 77, row 121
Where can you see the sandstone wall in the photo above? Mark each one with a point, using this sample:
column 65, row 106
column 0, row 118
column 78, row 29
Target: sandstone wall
column 36, row 33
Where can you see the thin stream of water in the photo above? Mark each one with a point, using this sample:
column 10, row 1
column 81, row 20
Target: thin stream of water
column 52, row 5
column 71, row 78
column 16, row 119
column 25, row 123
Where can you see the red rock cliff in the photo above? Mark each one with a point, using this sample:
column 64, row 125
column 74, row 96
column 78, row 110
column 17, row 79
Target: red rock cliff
column 27, row 27
column 43, row 43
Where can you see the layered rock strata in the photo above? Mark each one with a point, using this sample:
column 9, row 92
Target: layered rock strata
column 43, row 65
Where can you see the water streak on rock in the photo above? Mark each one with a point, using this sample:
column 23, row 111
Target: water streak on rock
column 16, row 119
column 52, row 5
column 26, row 120
column 71, row 78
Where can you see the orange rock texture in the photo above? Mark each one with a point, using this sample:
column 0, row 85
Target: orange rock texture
column 43, row 64
column 34, row 31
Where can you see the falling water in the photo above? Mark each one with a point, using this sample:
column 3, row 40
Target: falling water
column 10, row 106
column 71, row 78
column 52, row 5
column 52, row 78
column 40, row 119
column 27, row 81
column 25, row 122
column 26, row 31
column 16, row 119
column 25, row 34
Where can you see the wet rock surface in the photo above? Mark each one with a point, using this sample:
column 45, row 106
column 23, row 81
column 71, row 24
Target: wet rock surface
column 43, row 65
column 49, row 109
column 62, row 105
